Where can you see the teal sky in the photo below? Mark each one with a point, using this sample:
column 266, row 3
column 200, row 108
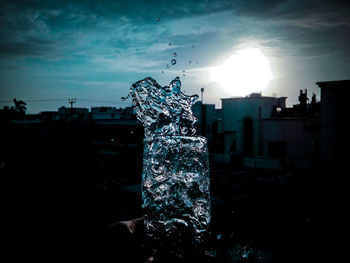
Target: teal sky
column 95, row 50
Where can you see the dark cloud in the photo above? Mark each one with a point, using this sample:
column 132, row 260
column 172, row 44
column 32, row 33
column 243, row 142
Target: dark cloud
column 22, row 22
column 310, row 13
column 122, row 38
column 15, row 49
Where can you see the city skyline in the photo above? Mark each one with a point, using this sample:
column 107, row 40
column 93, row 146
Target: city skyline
column 96, row 50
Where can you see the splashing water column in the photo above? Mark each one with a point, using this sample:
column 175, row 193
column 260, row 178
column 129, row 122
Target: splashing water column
column 175, row 191
column 175, row 179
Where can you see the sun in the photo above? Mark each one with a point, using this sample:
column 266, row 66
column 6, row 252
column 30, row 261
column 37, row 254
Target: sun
column 247, row 71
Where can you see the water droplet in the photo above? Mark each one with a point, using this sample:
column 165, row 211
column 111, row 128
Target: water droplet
column 184, row 75
column 183, row 71
column 158, row 19
column 174, row 54
column 162, row 71
column 173, row 62
column 218, row 236
column 169, row 44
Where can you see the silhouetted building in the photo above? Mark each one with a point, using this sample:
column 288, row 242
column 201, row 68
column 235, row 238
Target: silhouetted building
column 206, row 115
column 334, row 113
column 112, row 113
column 98, row 113
column 264, row 133
column 73, row 113
column 241, row 118
column 49, row 115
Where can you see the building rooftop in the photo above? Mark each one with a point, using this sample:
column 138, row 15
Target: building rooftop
column 253, row 96
column 334, row 83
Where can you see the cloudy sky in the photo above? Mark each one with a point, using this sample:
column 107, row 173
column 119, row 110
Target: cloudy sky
column 95, row 50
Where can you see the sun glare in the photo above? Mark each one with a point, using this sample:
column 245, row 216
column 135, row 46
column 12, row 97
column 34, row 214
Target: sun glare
column 247, row 71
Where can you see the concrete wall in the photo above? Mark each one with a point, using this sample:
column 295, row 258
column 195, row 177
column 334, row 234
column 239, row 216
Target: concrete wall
column 235, row 110
column 300, row 143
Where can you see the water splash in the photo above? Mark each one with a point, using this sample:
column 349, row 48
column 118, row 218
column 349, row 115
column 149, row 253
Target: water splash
column 175, row 191
column 175, row 179
column 163, row 110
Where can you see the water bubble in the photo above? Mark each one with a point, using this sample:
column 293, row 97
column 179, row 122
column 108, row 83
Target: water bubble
column 158, row 19
column 174, row 54
column 173, row 62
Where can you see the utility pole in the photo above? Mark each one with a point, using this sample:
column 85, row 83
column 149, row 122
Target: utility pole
column 202, row 90
column 203, row 115
column 71, row 102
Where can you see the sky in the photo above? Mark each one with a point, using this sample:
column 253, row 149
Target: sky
column 94, row 50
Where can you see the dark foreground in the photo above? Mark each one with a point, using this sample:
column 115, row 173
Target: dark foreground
column 63, row 197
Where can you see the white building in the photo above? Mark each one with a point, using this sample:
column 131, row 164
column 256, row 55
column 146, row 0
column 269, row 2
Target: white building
column 242, row 121
column 255, row 129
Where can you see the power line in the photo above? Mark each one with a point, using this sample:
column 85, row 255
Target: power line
column 50, row 100
column 45, row 100
column 99, row 101
column 40, row 100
